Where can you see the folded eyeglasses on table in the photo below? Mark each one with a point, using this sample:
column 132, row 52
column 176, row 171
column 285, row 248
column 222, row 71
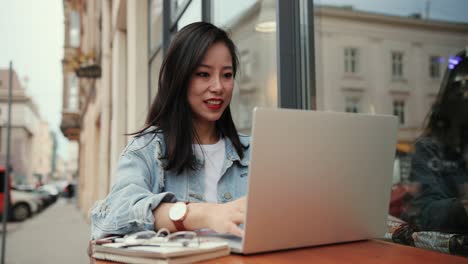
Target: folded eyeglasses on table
column 162, row 238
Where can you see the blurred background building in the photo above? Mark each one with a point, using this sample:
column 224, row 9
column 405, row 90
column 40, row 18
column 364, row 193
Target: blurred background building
column 361, row 62
column 42, row 153
column 25, row 125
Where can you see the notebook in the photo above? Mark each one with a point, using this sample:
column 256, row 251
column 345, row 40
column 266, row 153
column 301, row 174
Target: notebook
column 159, row 252
column 316, row 178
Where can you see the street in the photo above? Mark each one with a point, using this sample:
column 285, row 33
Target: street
column 59, row 234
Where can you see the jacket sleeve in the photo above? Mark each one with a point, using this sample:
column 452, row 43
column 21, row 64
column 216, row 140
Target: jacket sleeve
column 434, row 207
column 129, row 206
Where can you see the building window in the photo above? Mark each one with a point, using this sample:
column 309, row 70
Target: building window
column 352, row 105
column 73, row 93
column 399, row 110
column 434, row 66
column 74, row 32
column 397, row 64
column 246, row 62
column 351, row 60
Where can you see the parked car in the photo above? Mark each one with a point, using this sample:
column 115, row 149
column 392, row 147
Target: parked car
column 52, row 192
column 23, row 205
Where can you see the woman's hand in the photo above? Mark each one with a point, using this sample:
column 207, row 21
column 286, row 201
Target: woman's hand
column 222, row 218
column 226, row 218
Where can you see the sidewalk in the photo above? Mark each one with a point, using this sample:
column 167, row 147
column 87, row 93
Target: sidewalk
column 59, row 234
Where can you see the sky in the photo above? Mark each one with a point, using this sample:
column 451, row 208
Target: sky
column 32, row 34
column 448, row 10
column 32, row 38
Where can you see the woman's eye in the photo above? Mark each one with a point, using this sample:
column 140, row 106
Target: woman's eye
column 228, row 75
column 202, row 74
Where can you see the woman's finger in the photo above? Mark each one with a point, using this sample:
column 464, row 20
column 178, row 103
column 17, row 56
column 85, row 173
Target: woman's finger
column 235, row 230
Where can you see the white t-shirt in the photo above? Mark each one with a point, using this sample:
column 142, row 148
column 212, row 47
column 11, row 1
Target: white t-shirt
column 214, row 159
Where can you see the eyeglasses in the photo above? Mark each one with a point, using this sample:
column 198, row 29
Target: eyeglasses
column 162, row 238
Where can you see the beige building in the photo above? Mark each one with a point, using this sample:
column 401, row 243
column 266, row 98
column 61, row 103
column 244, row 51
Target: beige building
column 25, row 120
column 60, row 170
column 370, row 63
column 42, row 146
column 71, row 165
column 375, row 63
column 113, row 35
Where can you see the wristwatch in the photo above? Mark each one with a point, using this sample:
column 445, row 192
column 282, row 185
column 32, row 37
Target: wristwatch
column 177, row 214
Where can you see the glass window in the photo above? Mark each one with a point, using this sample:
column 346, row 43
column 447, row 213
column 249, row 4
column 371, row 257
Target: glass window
column 155, row 66
column 246, row 60
column 155, row 50
column 434, row 66
column 352, row 105
column 401, row 65
column 73, row 93
column 351, row 60
column 252, row 25
column 74, row 29
column 155, row 24
column 399, row 111
column 397, row 64
column 191, row 14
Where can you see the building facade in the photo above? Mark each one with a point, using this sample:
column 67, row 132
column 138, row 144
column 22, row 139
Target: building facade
column 112, row 37
column 373, row 63
column 42, row 149
column 25, row 120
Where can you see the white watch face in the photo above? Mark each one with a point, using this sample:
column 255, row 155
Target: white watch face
column 177, row 211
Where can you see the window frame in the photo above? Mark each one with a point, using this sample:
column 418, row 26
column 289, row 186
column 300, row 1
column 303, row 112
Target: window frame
column 352, row 103
column 295, row 31
column 435, row 67
column 399, row 110
column 397, row 61
column 351, row 60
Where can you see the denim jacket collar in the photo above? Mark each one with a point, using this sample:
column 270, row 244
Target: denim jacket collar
column 231, row 153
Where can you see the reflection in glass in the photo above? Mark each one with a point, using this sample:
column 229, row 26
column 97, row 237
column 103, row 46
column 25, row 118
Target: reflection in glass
column 439, row 175
column 352, row 105
column 155, row 24
column 351, row 60
column 397, row 64
column 155, row 66
column 252, row 25
column 434, row 66
column 400, row 65
column 399, row 110
column 192, row 14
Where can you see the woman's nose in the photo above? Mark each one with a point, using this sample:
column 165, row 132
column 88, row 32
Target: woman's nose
column 216, row 85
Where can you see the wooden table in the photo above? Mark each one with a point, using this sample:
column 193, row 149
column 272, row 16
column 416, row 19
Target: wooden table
column 372, row 252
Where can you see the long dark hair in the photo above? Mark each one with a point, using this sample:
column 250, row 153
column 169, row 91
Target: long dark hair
column 453, row 94
column 170, row 111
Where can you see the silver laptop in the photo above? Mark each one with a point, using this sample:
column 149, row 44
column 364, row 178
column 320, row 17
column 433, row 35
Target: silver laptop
column 317, row 178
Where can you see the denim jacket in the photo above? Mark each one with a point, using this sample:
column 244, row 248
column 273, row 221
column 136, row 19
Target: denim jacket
column 142, row 184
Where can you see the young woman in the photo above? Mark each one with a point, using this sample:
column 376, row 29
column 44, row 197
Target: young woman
column 186, row 169
column 440, row 162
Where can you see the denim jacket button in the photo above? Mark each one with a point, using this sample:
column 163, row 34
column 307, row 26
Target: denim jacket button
column 227, row 196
